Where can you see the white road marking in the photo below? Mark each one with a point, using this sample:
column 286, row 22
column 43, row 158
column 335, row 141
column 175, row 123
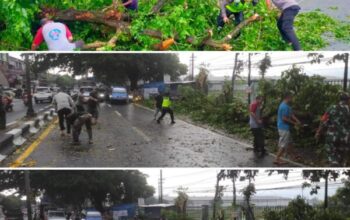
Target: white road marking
column 142, row 134
column 118, row 113
column 11, row 123
column 109, row 105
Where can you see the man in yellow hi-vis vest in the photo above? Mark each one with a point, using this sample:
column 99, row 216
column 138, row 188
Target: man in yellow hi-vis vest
column 232, row 7
column 166, row 108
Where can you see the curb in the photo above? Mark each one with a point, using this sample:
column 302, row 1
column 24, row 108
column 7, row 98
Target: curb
column 246, row 145
column 15, row 138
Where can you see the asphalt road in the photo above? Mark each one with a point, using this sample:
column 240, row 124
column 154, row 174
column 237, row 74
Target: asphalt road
column 127, row 136
column 20, row 110
column 338, row 9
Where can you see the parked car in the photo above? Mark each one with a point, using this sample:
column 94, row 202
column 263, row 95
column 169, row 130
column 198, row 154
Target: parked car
column 56, row 215
column 93, row 215
column 43, row 94
column 119, row 94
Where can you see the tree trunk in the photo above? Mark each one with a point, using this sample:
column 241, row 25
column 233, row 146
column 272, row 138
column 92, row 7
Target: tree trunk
column 110, row 18
column 156, row 8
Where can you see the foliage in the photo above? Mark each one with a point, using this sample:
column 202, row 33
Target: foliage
column 113, row 69
column 298, row 209
column 172, row 215
column 341, row 200
column 182, row 19
column 75, row 187
column 11, row 205
column 305, row 106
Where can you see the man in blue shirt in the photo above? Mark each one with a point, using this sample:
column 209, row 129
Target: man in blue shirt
column 285, row 120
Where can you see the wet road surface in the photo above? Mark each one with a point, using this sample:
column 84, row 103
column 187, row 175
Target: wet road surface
column 338, row 9
column 127, row 136
column 20, row 110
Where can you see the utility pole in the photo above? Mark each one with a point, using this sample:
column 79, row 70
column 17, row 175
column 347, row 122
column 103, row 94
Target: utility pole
column 30, row 110
column 346, row 72
column 161, row 186
column 28, row 194
column 192, row 59
column 234, row 73
column 326, row 191
column 249, row 76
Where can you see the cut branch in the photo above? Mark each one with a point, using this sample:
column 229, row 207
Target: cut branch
column 156, row 8
column 111, row 18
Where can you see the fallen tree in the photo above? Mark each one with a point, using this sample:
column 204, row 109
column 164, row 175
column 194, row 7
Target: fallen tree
column 121, row 22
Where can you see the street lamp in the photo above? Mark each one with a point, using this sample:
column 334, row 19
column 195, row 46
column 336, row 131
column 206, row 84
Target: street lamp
column 30, row 110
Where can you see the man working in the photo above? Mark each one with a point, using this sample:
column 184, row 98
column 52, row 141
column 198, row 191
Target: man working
column 131, row 4
column 158, row 100
column 285, row 23
column 63, row 104
column 285, row 119
column 166, row 108
column 335, row 123
column 256, row 126
column 78, row 119
column 57, row 36
column 232, row 7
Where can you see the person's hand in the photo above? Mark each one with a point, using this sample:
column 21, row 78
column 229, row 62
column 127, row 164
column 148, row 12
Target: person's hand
column 226, row 19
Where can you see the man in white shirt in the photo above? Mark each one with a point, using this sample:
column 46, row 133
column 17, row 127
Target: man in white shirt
column 64, row 105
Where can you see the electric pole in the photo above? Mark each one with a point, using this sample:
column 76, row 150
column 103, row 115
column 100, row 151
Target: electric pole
column 161, row 186
column 192, row 59
column 28, row 194
column 234, row 73
column 346, row 72
column 30, row 110
column 249, row 76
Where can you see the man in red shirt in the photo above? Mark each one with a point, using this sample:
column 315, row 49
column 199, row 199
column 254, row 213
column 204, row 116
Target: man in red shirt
column 256, row 125
column 57, row 36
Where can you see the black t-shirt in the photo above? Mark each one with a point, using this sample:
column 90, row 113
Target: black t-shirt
column 159, row 101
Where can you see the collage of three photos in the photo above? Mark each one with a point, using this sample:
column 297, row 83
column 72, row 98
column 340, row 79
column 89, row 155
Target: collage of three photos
column 174, row 110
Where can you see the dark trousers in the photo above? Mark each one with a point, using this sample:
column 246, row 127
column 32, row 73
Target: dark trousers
column 63, row 117
column 239, row 17
column 285, row 25
column 78, row 125
column 167, row 110
column 259, row 139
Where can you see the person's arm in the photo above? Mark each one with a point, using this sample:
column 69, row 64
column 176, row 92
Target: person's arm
column 223, row 10
column 268, row 4
column 253, row 108
column 38, row 39
column 296, row 119
column 127, row 3
column 71, row 102
column 69, row 34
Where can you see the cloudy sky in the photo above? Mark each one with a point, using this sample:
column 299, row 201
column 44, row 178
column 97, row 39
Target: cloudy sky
column 201, row 182
column 221, row 63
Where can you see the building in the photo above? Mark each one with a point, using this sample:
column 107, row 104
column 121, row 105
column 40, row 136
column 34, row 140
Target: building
column 12, row 71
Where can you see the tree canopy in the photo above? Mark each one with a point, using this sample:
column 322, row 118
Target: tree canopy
column 113, row 68
column 72, row 187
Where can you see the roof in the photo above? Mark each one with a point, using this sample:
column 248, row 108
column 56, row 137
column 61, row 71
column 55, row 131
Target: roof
column 157, row 206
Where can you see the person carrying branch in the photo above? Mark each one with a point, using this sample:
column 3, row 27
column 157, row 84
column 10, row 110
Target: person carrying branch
column 232, row 7
column 57, row 36
column 335, row 125
column 285, row 23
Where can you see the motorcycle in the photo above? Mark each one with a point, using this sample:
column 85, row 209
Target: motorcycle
column 7, row 100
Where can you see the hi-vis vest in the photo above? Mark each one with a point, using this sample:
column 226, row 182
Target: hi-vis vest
column 236, row 7
column 166, row 102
